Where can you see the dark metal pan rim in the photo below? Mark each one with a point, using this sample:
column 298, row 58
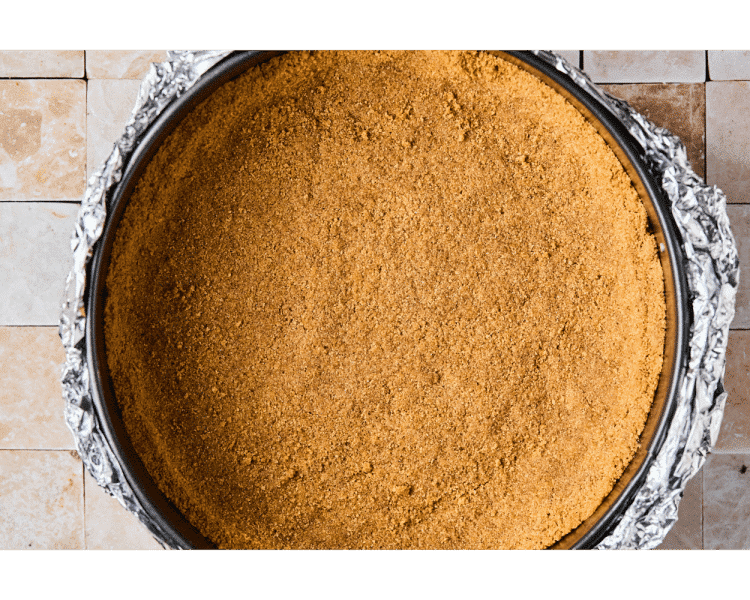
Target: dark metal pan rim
column 589, row 533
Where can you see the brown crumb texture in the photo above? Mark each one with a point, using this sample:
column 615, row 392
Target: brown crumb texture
column 385, row 300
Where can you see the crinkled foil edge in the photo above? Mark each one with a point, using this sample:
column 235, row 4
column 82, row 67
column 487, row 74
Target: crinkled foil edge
column 712, row 265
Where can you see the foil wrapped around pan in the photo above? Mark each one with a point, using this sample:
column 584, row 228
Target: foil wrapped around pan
column 712, row 265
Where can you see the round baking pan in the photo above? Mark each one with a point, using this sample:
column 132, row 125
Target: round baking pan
column 589, row 533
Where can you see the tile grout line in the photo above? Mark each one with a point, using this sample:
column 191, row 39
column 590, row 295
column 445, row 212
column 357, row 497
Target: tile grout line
column 703, row 508
column 39, row 78
column 706, row 76
column 39, row 450
column 86, row 127
column 705, row 152
column 16, row 325
column 35, row 326
column 83, row 507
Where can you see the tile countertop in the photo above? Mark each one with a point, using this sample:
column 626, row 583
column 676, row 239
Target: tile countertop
column 60, row 111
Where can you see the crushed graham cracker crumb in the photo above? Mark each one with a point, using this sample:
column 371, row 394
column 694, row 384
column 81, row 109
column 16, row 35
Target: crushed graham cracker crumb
column 385, row 300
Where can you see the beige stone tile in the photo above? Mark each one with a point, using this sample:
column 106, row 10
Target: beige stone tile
column 35, row 259
column 41, row 63
column 726, row 502
column 680, row 107
column 734, row 437
column 728, row 138
column 31, row 404
column 121, row 64
column 109, row 526
column 728, row 64
column 739, row 220
column 687, row 532
column 639, row 66
column 572, row 56
column 42, row 139
column 41, row 499
column 108, row 106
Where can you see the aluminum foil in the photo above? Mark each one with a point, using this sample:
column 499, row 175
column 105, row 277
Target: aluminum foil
column 712, row 274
